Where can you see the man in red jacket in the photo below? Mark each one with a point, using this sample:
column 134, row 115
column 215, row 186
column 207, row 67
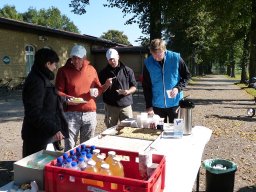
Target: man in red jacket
column 74, row 80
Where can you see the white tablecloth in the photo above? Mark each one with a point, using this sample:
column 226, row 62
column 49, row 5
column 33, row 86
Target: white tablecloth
column 183, row 158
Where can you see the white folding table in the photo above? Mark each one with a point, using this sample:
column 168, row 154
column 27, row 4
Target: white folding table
column 183, row 156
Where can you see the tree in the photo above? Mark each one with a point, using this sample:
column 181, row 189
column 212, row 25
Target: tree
column 204, row 33
column 116, row 36
column 10, row 12
column 51, row 17
column 252, row 64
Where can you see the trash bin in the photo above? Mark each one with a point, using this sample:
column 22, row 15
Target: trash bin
column 220, row 175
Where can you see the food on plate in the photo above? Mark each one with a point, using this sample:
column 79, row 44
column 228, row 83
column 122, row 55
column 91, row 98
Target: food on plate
column 25, row 186
column 77, row 100
column 139, row 133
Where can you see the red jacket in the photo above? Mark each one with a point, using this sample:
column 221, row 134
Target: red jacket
column 73, row 83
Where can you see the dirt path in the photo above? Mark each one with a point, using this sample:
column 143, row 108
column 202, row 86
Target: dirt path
column 220, row 106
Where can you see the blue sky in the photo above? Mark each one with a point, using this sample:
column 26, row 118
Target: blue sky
column 97, row 20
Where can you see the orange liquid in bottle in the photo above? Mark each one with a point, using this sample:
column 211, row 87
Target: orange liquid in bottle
column 91, row 168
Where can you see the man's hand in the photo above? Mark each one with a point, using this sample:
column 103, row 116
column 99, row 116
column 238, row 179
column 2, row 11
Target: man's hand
column 150, row 111
column 108, row 83
column 173, row 92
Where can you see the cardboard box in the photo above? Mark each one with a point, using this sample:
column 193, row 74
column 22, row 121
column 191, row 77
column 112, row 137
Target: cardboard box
column 25, row 174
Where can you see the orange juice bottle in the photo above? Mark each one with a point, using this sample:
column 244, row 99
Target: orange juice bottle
column 109, row 160
column 95, row 153
column 90, row 168
column 117, row 168
column 104, row 170
column 100, row 161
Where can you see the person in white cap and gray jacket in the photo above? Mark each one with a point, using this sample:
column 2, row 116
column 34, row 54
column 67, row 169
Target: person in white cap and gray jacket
column 74, row 80
column 118, row 97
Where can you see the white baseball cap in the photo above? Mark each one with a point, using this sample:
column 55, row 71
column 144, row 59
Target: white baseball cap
column 111, row 53
column 78, row 51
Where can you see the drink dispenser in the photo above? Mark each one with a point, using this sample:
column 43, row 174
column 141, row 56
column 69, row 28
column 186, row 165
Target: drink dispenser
column 185, row 113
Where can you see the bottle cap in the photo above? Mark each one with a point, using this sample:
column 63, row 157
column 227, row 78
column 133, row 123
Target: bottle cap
column 89, row 155
column 113, row 153
column 96, row 151
column 74, row 164
column 91, row 162
column 59, row 160
column 69, row 160
column 105, row 166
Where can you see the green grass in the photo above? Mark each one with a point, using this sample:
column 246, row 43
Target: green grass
column 251, row 91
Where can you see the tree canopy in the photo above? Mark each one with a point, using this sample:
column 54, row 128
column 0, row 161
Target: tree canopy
column 51, row 17
column 116, row 36
column 209, row 35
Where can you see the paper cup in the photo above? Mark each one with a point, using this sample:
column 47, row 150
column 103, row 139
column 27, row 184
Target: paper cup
column 94, row 92
column 169, row 93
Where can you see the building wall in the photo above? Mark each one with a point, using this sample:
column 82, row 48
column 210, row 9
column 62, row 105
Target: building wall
column 13, row 43
column 134, row 61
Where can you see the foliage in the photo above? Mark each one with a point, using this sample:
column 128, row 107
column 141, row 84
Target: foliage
column 10, row 12
column 51, row 17
column 116, row 36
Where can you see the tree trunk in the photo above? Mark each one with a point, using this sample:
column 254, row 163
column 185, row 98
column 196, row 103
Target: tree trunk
column 244, row 61
column 252, row 64
column 155, row 28
column 232, row 62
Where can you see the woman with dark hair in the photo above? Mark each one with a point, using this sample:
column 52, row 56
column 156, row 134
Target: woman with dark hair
column 44, row 120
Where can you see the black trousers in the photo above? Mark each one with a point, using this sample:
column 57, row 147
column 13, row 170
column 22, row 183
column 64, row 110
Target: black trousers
column 29, row 148
column 167, row 112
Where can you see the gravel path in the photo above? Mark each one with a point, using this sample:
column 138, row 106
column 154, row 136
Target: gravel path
column 220, row 106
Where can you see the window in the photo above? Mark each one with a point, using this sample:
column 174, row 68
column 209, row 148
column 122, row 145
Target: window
column 30, row 54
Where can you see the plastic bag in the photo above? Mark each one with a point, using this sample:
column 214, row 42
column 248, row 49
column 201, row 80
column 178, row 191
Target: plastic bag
column 219, row 166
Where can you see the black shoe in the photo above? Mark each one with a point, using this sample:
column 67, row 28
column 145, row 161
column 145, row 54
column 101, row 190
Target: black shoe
column 57, row 145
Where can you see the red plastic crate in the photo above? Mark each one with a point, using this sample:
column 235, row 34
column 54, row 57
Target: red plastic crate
column 59, row 179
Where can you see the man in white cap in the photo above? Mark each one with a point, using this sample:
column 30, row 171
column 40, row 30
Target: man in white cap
column 74, row 80
column 118, row 97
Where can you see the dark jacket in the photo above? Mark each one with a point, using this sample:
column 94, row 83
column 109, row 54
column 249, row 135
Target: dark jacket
column 124, row 80
column 43, row 116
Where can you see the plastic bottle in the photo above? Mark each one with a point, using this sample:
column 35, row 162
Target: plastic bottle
column 104, row 170
column 90, row 168
column 92, row 148
column 95, row 153
column 78, row 152
column 65, row 157
column 100, row 161
column 59, row 162
column 74, row 165
column 117, row 168
column 81, row 164
column 89, row 157
column 68, row 164
column 72, row 155
column 83, row 147
column 110, row 158
column 88, row 150
column 83, row 154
